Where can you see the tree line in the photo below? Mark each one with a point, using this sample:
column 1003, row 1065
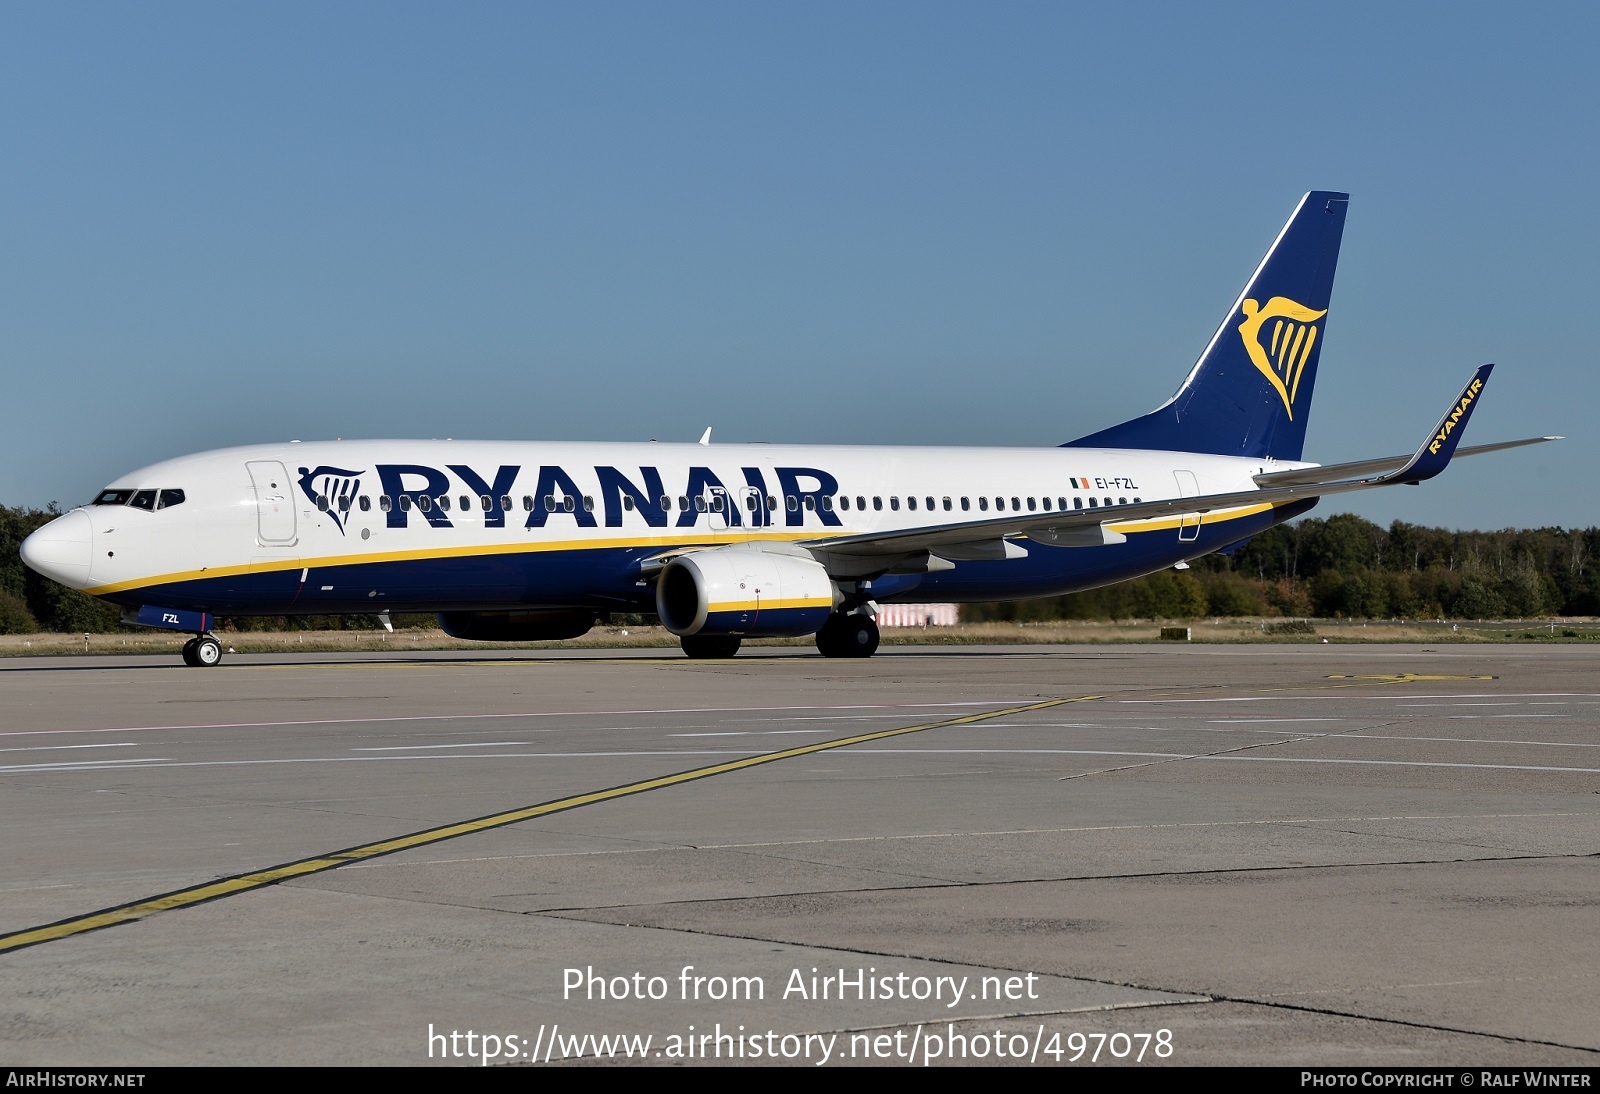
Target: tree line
column 1347, row 567
column 1340, row 567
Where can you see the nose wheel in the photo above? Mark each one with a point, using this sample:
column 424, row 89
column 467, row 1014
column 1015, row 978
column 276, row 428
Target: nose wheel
column 202, row 651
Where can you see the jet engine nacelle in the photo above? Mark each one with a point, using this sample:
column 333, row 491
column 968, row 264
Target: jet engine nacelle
column 745, row 589
column 517, row 626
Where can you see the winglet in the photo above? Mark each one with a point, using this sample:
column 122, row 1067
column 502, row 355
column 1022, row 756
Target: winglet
column 1435, row 453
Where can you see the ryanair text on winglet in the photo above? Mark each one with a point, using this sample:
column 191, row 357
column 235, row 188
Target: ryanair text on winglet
column 1455, row 416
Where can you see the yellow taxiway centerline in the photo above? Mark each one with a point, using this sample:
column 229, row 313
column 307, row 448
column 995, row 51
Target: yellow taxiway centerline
column 243, row 883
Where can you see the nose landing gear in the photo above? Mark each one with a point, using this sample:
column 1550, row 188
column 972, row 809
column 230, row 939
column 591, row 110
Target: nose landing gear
column 202, row 651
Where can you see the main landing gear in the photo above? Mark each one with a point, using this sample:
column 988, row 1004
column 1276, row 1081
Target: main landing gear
column 202, row 651
column 848, row 636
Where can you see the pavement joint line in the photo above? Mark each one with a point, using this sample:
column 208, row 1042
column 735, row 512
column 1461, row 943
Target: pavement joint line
column 1293, row 739
column 1407, row 1023
column 247, row 882
column 577, row 913
column 1290, row 822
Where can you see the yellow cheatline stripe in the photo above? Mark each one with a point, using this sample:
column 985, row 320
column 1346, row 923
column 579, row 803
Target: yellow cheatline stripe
column 243, row 883
column 1220, row 516
column 769, row 605
column 664, row 543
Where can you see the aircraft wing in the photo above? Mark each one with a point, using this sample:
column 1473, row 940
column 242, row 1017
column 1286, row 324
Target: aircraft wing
column 986, row 539
column 1335, row 472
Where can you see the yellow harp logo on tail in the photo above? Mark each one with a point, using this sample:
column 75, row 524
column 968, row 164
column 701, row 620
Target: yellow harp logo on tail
column 1288, row 342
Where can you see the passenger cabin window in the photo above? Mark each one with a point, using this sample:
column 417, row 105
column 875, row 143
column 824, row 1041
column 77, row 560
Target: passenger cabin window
column 444, row 503
column 983, row 504
column 772, row 501
column 1093, row 504
column 143, row 499
column 170, row 498
column 627, row 502
column 700, row 503
column 344, row 503
column 861, row 502
column 827, row 503
column 466, row 503
column 366, row 504
column 405, row 503
column 1030, row 505
column 1061, row 503
column 844, row 501
column 966, row 504
column 385, row 503
column 911, row 503
column 1077, row 503
column 946, row 505
column 113, row 497
column 930, row 504
column 877, row 503
column 792, row 502
column 322, row 502
column 811, row 503
column 505, row 502
column 527, row 503
column 567, row 504
column 666, row 504
column 485, row 502
column 424, row 502
column 750, row 502
column 894, row 503
column 716, row 503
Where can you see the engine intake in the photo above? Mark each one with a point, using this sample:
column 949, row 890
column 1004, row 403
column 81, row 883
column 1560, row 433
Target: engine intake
column 745, row 590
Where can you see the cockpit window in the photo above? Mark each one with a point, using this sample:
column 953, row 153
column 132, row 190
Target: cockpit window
column 113, row 497
column 143, row 499
column 169, row 498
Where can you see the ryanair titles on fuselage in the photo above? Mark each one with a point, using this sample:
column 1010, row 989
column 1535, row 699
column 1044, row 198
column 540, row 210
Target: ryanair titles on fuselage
column 414, row 492
column 646, row 495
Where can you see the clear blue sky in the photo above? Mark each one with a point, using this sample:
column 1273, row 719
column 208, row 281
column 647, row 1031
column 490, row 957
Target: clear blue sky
column 884, row 222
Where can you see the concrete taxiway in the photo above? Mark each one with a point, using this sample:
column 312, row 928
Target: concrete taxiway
column 1225, row 854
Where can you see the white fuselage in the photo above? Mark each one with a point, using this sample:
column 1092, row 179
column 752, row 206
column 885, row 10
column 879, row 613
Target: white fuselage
column 411, row 525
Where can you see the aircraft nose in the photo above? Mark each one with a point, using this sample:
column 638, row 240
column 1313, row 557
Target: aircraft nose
column 62, row 549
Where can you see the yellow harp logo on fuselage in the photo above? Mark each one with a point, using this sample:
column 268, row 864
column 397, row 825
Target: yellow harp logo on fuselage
column 1289, row 340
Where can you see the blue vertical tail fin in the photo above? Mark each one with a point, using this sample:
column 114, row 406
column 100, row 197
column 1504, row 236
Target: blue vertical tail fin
column 1250, row 392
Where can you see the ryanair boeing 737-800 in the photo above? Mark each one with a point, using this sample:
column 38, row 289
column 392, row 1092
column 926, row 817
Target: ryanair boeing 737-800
column 520, row 540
